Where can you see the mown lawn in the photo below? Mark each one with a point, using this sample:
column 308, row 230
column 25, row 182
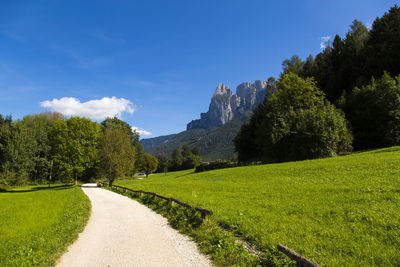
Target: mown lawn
column 37, row 224
column 341, row 211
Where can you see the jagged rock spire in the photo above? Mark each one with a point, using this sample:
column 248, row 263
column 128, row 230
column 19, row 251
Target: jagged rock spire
column 225, row 105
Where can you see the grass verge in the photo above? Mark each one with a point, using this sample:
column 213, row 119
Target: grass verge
column 38, row 223
column 220, row 245
column 340, row 211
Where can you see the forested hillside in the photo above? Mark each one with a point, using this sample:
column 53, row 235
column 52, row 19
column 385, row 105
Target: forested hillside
column 214, row 143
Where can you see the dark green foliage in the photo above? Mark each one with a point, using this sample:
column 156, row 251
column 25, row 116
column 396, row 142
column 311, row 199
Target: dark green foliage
column 24, row 148
column 214, row 165
column 374, row 112
column 215, row 143
column 17, row 151
column 156, row 141
column 383, row 46
column 183, row 159
column 196, row 151
column 293, row 65
column 116, row 154
column 39, row 126
column 162, row 162
column 28, row 146
column 294, row 123
column 349, row 64
column 74, row 145
column 115, row 123
column 149, row 164
column 353, row 60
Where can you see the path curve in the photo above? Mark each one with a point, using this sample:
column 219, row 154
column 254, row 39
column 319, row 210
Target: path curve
column 123, row 232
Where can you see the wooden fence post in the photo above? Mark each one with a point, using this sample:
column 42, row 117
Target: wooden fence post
column 301, row 261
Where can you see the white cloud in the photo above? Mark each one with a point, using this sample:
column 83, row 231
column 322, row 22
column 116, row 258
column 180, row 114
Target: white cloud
column 94, row 109
column 325, row 41
column 140, row 131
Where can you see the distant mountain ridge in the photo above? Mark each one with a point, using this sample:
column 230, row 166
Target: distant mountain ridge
column 156, row 141
column 225, row 105
column 214, row 143
column 214, row 132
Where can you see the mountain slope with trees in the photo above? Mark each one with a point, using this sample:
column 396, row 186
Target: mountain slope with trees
column 215, row 143
column 214, row 132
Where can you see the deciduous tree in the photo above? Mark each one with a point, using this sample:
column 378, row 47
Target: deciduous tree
column 74, row 144
column 149, row 164
column 116, row 154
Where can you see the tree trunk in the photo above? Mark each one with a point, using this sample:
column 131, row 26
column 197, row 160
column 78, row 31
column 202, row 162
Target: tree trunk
column 147, row 175
column 76, row 177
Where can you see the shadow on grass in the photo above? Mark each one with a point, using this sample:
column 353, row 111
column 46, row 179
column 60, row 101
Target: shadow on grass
column 38, row 188
column 392, row 149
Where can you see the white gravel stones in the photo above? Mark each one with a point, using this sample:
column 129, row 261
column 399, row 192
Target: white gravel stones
column 123, row 232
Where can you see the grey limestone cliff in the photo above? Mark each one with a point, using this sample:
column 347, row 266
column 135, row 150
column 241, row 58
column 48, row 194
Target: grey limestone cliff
column 225, row 105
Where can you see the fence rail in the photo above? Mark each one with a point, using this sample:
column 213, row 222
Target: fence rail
column 204, row 212
column 301, row 261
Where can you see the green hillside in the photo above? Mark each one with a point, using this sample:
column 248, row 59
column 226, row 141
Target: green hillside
column 156, row 141
column 214, row 143
column 340, row 211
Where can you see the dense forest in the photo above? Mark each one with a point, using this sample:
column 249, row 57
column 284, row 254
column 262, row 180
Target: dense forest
column 347, row 96
column 50, row 146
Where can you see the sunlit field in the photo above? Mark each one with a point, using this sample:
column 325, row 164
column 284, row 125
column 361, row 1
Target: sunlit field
column 341, row 211
column 37, row 224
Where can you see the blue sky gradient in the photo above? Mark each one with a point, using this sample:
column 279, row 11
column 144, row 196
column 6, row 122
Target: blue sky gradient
column 165, row 57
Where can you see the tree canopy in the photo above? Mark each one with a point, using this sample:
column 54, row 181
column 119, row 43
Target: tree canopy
column 74, row 144
column 116, row 154
column 374, row 112
column 294, row 123
column 150, row 164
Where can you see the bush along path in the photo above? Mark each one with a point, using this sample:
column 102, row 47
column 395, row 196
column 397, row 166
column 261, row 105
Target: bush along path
column 224, row 248
column 122, row 232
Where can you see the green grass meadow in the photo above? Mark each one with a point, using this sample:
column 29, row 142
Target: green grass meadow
column 341, row 211
column 37, row 224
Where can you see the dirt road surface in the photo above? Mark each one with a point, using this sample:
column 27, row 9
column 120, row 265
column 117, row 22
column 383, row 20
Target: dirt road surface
column 123, row 232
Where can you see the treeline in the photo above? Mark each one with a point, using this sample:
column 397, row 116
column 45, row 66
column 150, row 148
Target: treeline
column 183, row 158
column 346, row 96
column 46, row 145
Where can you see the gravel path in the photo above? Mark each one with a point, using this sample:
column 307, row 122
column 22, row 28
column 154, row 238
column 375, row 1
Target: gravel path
column 122, row 232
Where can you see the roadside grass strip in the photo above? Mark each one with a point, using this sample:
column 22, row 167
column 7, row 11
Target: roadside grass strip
column 340, row 211
column 220, row 245
column 37, row 224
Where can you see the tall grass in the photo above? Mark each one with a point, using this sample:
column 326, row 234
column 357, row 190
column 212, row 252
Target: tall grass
column 341, row 211
column 37, row 224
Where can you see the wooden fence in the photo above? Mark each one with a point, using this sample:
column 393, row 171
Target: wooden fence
column 204, row 213
column 301, row 261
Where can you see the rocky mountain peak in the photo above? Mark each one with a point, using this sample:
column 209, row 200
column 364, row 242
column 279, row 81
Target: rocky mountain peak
column 225, row 105
column 222, row 90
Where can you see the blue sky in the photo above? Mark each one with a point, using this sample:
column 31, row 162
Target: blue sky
column 160, row 60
